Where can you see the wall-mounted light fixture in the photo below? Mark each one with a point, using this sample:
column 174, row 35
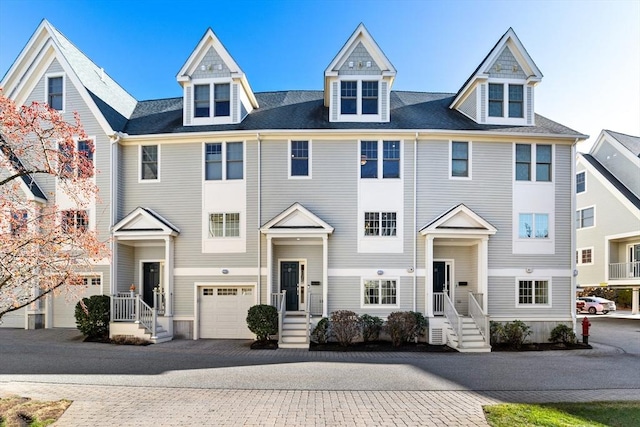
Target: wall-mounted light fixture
column 498, row 67
column 380, row 272
column 203, row 67
column 225, row 271
column 219, row 67
column 350, row 64
column 368, row 64
column 529, row 270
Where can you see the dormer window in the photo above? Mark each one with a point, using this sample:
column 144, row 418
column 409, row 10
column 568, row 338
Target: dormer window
column 497, row 100
column 221, row 100
column 369, row 97
column 201, row 101
column 348, row 97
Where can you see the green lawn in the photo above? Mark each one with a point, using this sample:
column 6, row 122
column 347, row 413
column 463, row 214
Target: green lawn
column 615, row 414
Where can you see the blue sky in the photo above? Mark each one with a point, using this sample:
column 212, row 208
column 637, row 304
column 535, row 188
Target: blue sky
column 588, row 51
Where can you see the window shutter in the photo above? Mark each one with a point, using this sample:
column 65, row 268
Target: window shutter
column 384, row 102
column 334, row 102
column 187, row 106
column 234, row 103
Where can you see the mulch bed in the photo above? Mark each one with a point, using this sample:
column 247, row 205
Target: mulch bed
column 264, row 345
column 381, row 346
column 542, row 347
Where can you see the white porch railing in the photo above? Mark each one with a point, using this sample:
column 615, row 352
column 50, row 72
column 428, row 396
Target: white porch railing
column 624, row 270
column 438, row 303
column 478, row 315
column 453, row 317
column 129, row 307
column 279, row 301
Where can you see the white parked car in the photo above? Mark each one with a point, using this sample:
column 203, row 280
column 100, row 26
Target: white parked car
column 596, row 304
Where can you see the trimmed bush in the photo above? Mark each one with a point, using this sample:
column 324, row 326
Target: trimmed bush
column 401, row 325
column 563, row 334
column 345, row 325
column 262, row 320
column 516, row 333
column 371, row 327
column 321, row 332
column 420, row 326
column 93, row 315
column 496, row 332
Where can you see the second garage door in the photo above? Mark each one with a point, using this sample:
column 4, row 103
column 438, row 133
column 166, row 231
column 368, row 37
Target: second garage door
column 64, row 303
column 223, row 311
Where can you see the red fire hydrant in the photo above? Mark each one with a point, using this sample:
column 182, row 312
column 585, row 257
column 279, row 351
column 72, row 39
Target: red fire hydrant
column 585, row 330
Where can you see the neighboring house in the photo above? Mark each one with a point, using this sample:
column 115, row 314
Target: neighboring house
column 608, row 214
column 354, row 197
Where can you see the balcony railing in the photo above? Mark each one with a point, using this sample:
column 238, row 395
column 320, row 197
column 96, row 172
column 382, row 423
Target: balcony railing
column 624, row 270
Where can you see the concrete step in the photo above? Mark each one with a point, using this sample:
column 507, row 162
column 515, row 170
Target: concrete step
column 293, row 339
column 294, row 332
column 293, row 345
column 484, row 349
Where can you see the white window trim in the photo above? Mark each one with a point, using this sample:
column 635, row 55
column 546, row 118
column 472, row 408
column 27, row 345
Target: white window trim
column 379, row 236
column 212, row 119
column 359, row 117
column 594, row 217
column 469, row 160
column 224, row 222
column 140, row 180
column 379, row 306
column 584, row 172
column 533, row 238
column 90, row 275
column 64, row 89
column 533, row 304
column 579, row 250
column 91, row 138
column 534, row 147
column 505, row 119
column 224, row 161
column 381, row 160
column 309, row 175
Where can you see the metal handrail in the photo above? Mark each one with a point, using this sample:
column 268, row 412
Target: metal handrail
column 480, row 318
column 453, row 317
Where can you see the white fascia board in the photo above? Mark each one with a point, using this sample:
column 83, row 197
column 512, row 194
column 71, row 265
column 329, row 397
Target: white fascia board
column 28, row 53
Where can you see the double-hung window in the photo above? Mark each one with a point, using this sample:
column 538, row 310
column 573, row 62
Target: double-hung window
column 222, row 100
column 380, row 223
column 224, row 225
column 369, row 97
column 55, row 96
column 533, row 292
column 149, row 160
column 348, row 97
column 380, row 293
column 85, row 151
column 299, row 166
column 75, row 221
column 76, row 159
column 91, row 281
column 516, row 101
column 584, row 256
column 202, row 95
column 496, row 100
column 581, row 182
column 19, row 221
column 460, row 159
column 533, row 226
column 370, row 151
column 585, row 218
column 223, row 160
column 543, row 165
column 201, row 102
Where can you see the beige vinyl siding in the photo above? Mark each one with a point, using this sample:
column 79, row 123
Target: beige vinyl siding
column 345, row 293
column 126, row 269
column 611, row 218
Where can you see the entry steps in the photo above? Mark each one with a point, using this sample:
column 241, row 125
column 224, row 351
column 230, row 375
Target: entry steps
column 472, row 340
column 295, row 330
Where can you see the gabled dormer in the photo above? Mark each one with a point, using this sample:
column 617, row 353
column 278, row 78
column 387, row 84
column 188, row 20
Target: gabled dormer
column 216, row 91
column 501, row 90
column 358, row 81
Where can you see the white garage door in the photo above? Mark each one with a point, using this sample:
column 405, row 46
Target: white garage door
column 64, row 303
column 223, row 311
column 15, row 319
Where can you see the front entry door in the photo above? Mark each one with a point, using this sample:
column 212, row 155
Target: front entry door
column 441, row 281
column 289, row 276
column 150, row 279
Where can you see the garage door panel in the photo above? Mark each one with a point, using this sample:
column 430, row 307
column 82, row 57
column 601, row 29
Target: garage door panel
column 64, row 305
column 223, row 312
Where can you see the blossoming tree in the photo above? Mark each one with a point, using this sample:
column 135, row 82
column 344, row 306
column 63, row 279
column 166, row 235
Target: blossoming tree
column 42, row 247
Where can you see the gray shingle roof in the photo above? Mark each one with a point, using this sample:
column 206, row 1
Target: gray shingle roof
column 631, row 143
column 613, row 180
column 304, row 109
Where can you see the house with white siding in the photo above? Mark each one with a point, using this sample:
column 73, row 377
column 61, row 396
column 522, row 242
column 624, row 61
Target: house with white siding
column 354, row 197
column 608, row 214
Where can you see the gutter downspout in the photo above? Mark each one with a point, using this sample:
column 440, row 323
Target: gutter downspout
column 574, row 271
column 113, row 208
column 415, row 223
column 259, row 288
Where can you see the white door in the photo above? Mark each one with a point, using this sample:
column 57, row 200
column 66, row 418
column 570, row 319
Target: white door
column 223, row 311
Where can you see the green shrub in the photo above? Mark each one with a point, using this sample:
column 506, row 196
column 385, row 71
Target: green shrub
column 496, row 332
column 400, row 326
column 322, row 332
column 93, row 315
column 564, row 334
column 516, row 333
column 371, row 327
column 420, row 326
column 262, row 320
column 345, row 326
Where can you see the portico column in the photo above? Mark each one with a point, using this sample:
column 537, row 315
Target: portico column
column 325, row 276
column 428, row 280
column 483, row 272
column 168, row 275
column 634, row 300
column 269, row 268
